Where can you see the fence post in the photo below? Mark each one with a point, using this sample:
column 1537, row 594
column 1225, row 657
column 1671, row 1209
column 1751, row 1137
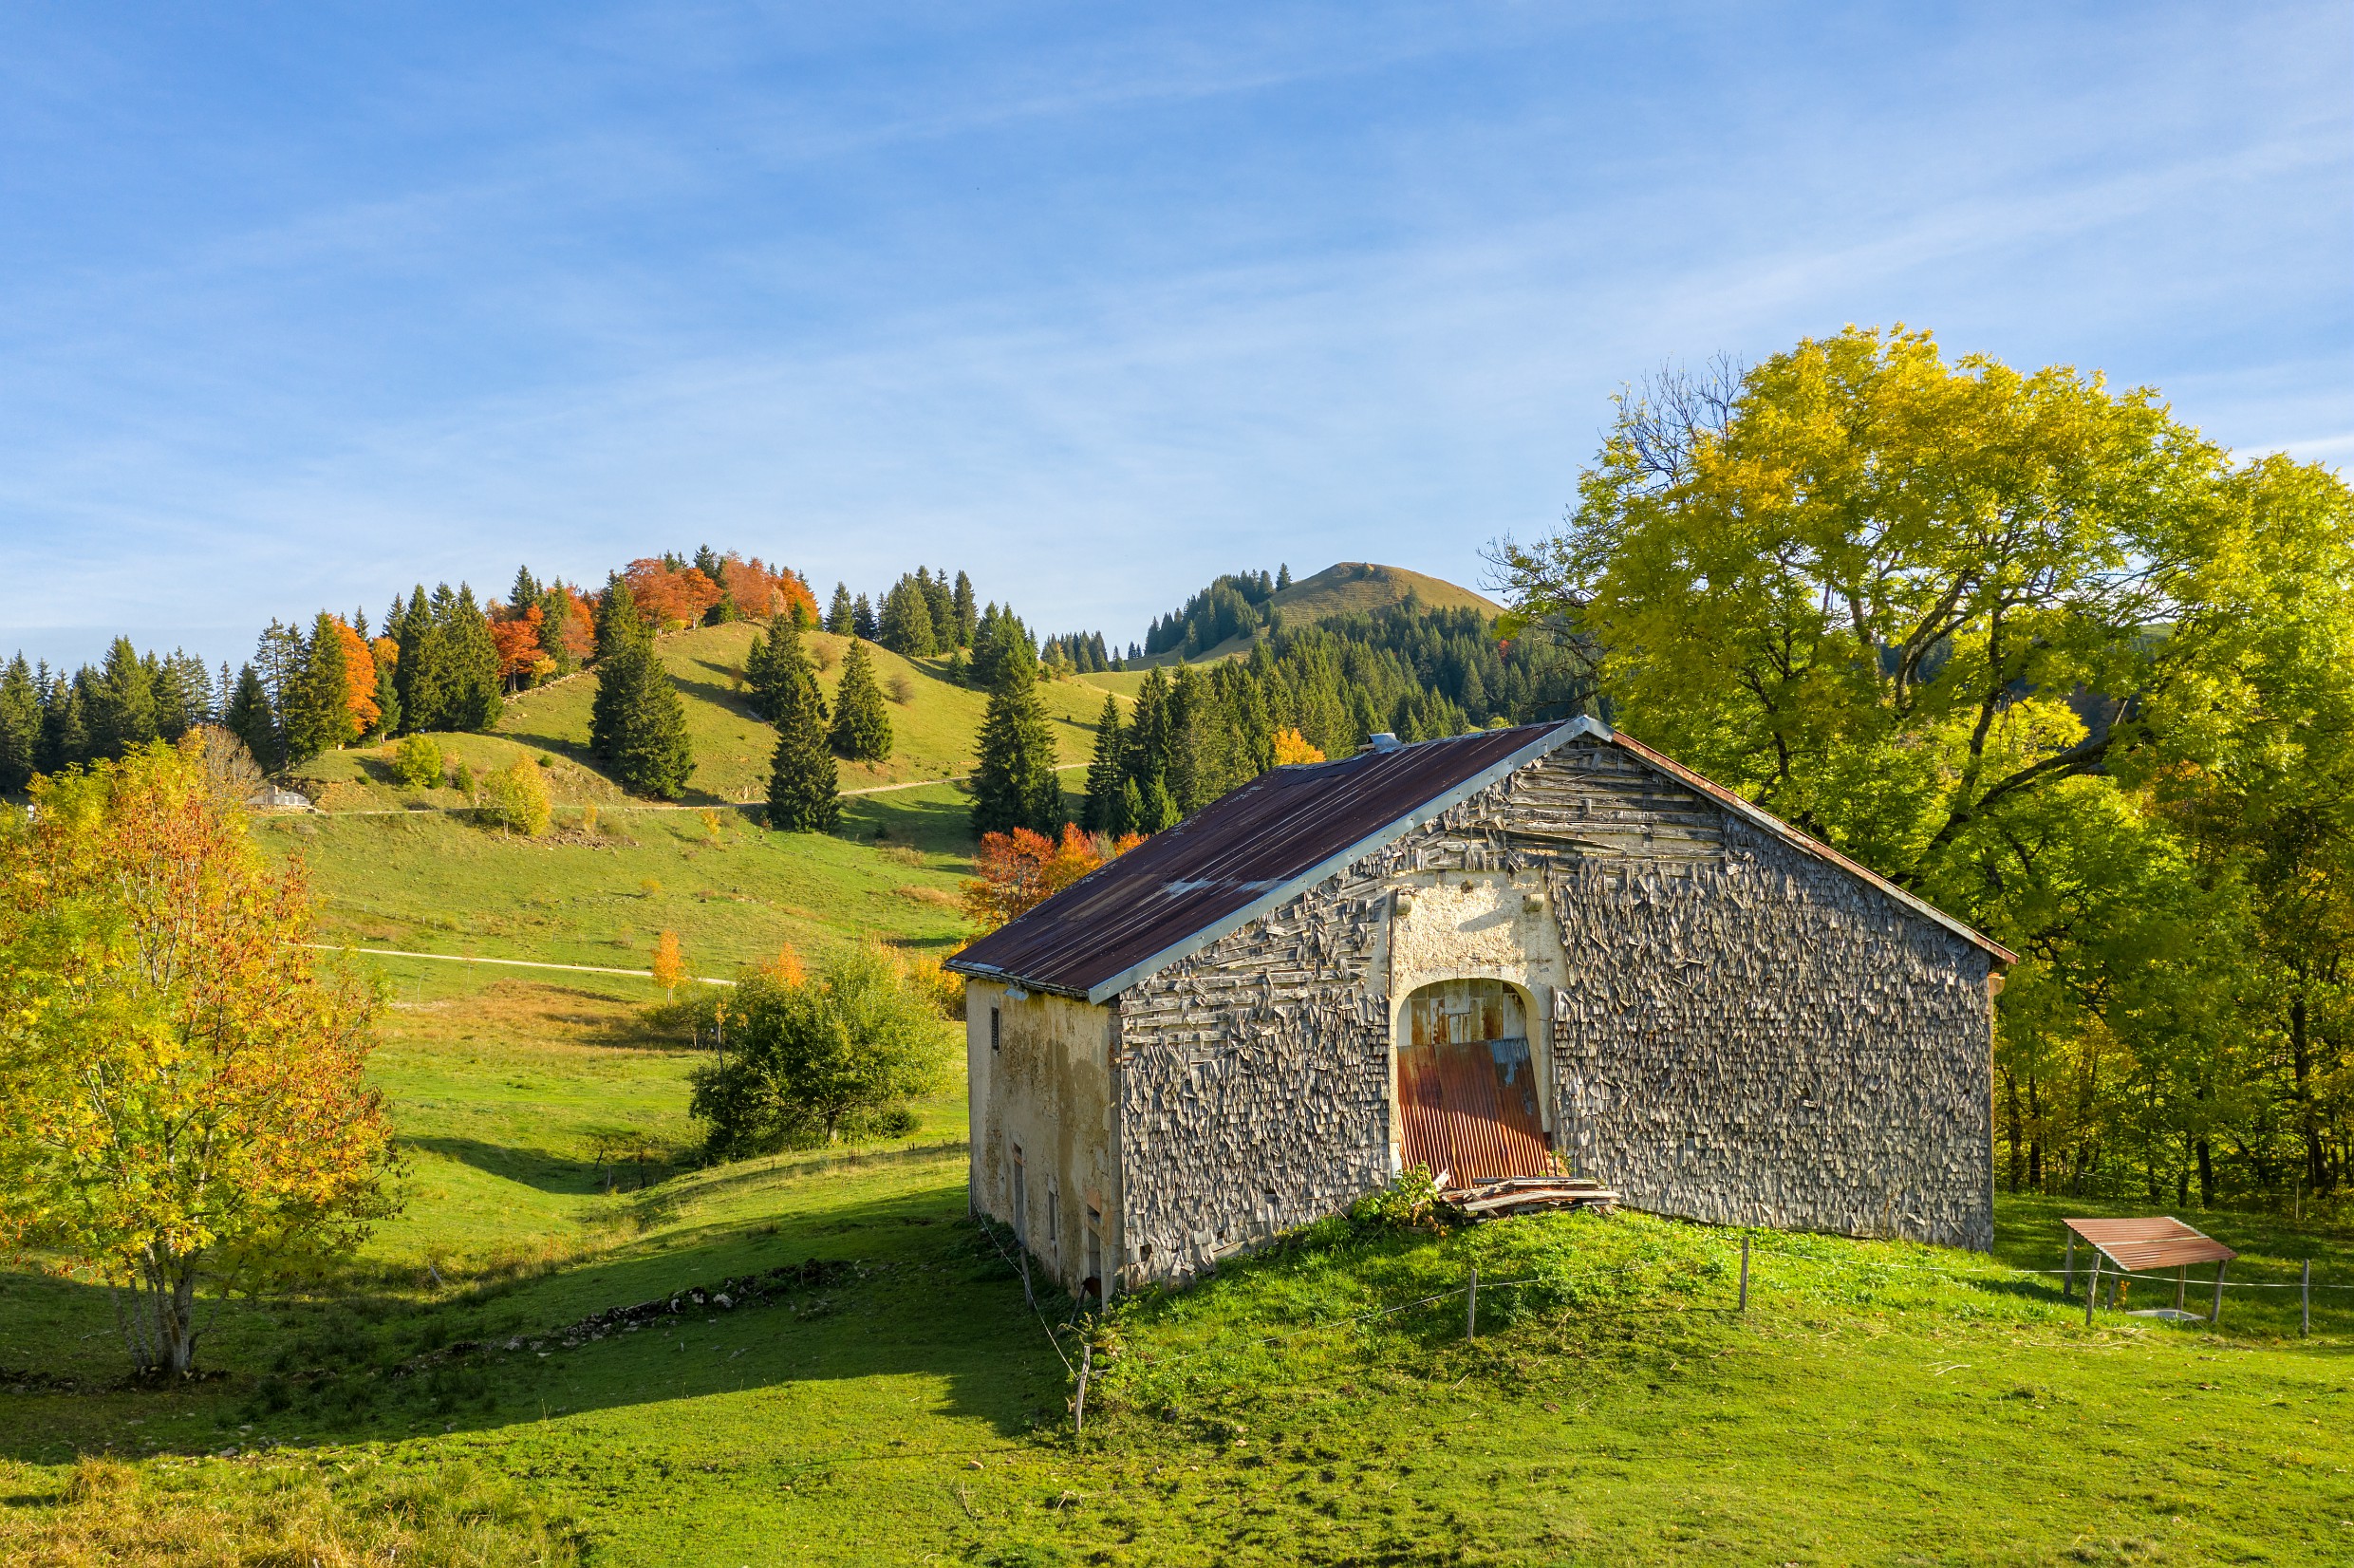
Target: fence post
column 2092, row 1289
column 2304, row 1302
column 1471, row 1305
column 1745, row 1274
column 2215, row 1314
column 2067, row 1283
column 1078, row 1409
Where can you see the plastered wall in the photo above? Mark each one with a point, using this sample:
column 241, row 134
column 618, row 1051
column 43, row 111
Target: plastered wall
column 1739, row 1032
column 1046, row 1088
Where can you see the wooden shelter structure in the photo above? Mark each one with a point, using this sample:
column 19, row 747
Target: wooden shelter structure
column 2145, row 1247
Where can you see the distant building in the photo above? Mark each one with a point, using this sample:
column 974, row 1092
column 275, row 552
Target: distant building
column 1481, row 954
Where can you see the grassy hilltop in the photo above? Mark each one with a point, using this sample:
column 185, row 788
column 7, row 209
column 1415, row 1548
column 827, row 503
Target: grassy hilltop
column 403, row 868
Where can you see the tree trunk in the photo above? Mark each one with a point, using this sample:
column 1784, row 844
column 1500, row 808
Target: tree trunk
column 2206, row 1174
column 2301, row 1059
column 2010, row 1113
column 160, row 1322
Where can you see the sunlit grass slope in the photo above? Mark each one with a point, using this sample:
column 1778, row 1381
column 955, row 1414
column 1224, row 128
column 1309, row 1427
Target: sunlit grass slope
column 732, row 890
column 1359, row 588
column 1613, row 1409
column 934, row 722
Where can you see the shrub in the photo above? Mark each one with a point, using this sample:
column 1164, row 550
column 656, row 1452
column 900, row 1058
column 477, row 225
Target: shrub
column 1408, row 1203
column 834, row 1058
column 418, row 763
column 515, row 798
column 901, row 688
column 462, row 777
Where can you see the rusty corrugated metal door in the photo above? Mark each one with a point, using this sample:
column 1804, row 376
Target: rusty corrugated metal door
column 1467, row 1091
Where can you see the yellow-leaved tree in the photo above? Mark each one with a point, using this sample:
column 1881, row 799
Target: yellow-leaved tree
column 186, row 1105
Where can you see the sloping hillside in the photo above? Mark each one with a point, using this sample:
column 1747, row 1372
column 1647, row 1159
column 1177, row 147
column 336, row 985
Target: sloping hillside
column 934, row 721
column 1358, row 587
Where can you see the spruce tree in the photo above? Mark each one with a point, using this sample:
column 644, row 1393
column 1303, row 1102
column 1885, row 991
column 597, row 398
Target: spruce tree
column 387, row 697
column 862, row 619
column 967, row 616
column 119, row 702
column 940, row 599
column 803, row 790
column 651, row 753
column 317, row 716
column 763, row 673
column 1284, row 578
column 838, row 614
column 525, row 593
column 1106, row 811
column 1156, row 808
column 862, row 725
column 64, row 743
column 621, row 632
column 422, row 671
column 1013, row 781
column 20, row 726
column 471, row 699
column 247, row 715
column 907, row 627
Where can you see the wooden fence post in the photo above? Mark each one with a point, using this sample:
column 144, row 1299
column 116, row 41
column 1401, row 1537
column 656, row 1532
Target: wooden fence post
column 2304, row 1302
column 2092, row 1288
column 2067, row 1283
column 1078, row 1409
column 1471, row 1305
column 2215, row 1314
column 1745, row 1274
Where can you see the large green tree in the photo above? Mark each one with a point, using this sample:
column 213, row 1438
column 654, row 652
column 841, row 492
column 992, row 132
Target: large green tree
column 1106, row 811
column 862, row 725
column 1992, row 633
column 1014, row 784
column 20, row 726
column 803, row 790
column 119, row 702
column 637, row 722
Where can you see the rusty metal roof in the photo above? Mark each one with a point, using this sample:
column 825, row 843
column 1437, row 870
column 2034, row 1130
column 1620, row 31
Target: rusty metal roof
column 1243, row 854
column 1261, row 844
column 2154, row 1244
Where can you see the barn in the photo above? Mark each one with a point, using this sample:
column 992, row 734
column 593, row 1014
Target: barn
column 1588, row 953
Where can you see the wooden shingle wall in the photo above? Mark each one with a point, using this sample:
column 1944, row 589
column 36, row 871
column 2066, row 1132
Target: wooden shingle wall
column 1748, row 1034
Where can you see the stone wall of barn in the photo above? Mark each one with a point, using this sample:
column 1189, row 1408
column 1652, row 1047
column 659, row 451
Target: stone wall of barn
column 1743, row 1033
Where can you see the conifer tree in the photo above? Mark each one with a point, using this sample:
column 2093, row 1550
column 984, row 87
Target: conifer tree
column 862, row 619
column 525, row 593
column 803, row 788
column 64, row 740
column 119, row 702
column 1284, row 578
column 388, row 695
column 422, row 672
column 907, row 627
column 20, row 726
column 317, row 716
column 1014, row 779
column 637, row 722
column 1106, row 811
column 862, row 725
column 248, row 717
column 184, row 695
column 967, row 617
column 839, row 613
column 763, row 672
column 471, row 699
column 1156, row 808
column 940, row 599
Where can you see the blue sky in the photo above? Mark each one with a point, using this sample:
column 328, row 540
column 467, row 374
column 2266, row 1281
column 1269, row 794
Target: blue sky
column 300, row 305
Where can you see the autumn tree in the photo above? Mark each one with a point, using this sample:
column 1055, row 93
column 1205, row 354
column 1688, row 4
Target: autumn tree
column 515, row 798
column 839, row 1055
column 669, row 966
column 188, row 1109
column 1021, row 869
column 862, row 725
column 1292, row 748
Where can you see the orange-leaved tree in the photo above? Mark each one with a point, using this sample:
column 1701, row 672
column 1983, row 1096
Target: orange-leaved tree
column 521, row 655
column 359, row 678
column 1022, row 870
column 669, row 595
column 184, row 1079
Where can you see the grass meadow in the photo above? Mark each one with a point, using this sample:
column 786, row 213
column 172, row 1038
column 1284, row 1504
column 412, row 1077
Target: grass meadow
column 1878, row 1403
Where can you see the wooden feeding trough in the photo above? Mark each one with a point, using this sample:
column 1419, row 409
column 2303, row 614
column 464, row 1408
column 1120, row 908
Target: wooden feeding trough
column 2143, row 1247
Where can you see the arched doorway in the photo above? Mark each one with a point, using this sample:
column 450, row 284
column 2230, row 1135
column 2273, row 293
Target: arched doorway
column 1466, row 1087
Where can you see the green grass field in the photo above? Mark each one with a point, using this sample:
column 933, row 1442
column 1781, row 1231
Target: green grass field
column 1878, row 1403
column 933, row 721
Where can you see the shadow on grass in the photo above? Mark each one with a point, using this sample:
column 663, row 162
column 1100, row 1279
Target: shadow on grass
column 925, row 1296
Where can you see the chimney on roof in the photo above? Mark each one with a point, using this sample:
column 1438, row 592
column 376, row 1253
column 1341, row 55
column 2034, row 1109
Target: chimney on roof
column 1384, row 740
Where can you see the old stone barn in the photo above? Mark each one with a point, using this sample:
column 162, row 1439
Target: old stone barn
column 1475, row 954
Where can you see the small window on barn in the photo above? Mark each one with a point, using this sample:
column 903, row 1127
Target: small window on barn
column 994, row 1034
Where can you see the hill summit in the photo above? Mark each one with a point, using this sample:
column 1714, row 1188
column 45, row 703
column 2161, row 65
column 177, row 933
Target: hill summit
column 1226, row 617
